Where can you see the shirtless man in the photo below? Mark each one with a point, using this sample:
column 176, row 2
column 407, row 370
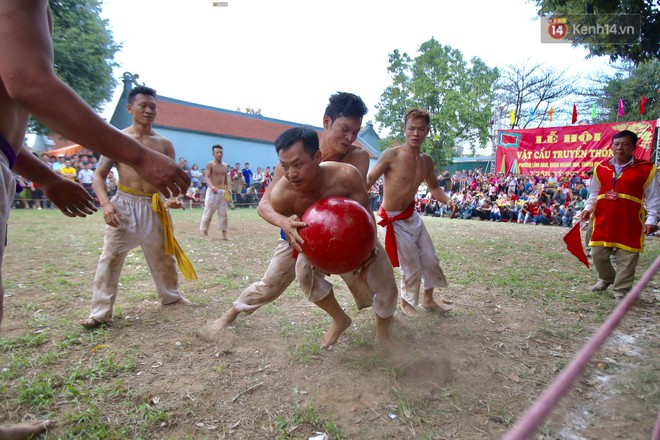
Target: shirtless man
column 29, row 85
column 306, row 182
column 341, row 125
column 217, row 193
column 406, row 239
column 136, row 215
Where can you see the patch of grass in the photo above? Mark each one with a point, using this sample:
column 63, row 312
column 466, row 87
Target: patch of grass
column 24, row 341
column 36, row 392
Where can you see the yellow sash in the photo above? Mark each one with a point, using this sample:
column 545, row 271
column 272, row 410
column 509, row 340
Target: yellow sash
column 172, row 247
column 227, row 195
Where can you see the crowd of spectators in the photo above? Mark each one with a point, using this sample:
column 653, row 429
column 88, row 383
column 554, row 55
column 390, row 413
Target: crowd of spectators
column 541, row 199
column 553, row 199
column 247, row 186
column 78, row 167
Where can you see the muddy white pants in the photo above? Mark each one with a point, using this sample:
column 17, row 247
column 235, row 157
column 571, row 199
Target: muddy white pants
column 377, row 290
column 279, row 275
column 140, row 227
column 417, row 258
column 7, row 190
column 214, row 203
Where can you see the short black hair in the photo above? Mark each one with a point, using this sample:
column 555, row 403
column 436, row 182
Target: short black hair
column 141, row 90
column 217, row 146
column 626, row 133
column 308, row 136
column 347, row 105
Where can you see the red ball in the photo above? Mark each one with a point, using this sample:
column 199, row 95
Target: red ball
column 339, row 236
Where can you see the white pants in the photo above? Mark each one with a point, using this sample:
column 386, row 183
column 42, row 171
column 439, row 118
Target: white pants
column 378, row 290
column 140, row 227
column 214, row 203
column 417, row 258
column 279, row 275
column 7, row 191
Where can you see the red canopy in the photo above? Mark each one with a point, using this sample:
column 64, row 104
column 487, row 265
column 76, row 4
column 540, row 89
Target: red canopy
column 69, row 150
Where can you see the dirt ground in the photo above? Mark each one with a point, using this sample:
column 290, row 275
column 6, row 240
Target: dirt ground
column 521, row 310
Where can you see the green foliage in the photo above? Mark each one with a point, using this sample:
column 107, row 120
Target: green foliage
column 459, row 96
column 630, row 85
column 595, row 10
column 84, row 51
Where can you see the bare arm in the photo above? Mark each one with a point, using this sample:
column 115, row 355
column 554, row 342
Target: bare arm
column 380, row 168
column 289, row 225
column 110, row 213
column 26, row 69
column 68, row 196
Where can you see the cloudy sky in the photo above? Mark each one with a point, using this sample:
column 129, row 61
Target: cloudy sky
column 286, row 57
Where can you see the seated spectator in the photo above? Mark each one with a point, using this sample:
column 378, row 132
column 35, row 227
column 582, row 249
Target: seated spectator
column 251, row 197
column 542, row 217
column 193, row 195
column 567, row 219
column 495, row 215
column 525, row 215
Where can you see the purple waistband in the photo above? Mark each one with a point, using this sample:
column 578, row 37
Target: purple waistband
column 8, row 151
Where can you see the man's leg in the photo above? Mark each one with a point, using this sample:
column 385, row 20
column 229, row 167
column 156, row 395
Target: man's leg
column 626, row 263
column 163, row 267
column 210, row 205
column 587, row 237
column 278, row 276
column 116, row 244
column 319, row 291
column 606, row 273
column 221, row 212
column 340, row 320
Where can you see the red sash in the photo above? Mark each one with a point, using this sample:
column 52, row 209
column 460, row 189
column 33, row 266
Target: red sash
column 390, row 237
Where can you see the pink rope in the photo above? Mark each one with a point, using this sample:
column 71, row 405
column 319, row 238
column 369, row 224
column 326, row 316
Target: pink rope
column 536, row 414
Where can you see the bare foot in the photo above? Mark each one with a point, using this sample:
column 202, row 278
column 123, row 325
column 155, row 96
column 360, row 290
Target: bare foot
column 90, row 323
column 24, row 431
column 213, row 330
column 338, row 327
column 383, row 326
column 435, row 307
column 407, row 308
column 225, row 238
column 181, row 301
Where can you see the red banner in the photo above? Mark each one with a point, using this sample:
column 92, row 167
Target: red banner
column 572, row 149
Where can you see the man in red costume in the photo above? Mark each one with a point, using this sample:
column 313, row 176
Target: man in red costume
column 623, row 194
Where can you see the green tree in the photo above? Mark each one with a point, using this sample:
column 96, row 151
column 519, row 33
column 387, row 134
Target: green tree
column 629, row 83
column 593, row 12
column 459, row 96
column 84, row 51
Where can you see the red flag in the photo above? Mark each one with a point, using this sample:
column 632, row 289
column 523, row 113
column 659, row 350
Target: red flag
column 642, row 105
column 574, row 244
column 620, row 113
column 574, row 118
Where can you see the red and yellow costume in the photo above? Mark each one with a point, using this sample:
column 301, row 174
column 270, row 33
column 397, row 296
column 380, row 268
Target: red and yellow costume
column 627, row 231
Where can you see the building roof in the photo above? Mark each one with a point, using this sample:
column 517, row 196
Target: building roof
column 181, row 115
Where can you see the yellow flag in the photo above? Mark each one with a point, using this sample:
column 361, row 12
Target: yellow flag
column 550, row 113
column 512, row 116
